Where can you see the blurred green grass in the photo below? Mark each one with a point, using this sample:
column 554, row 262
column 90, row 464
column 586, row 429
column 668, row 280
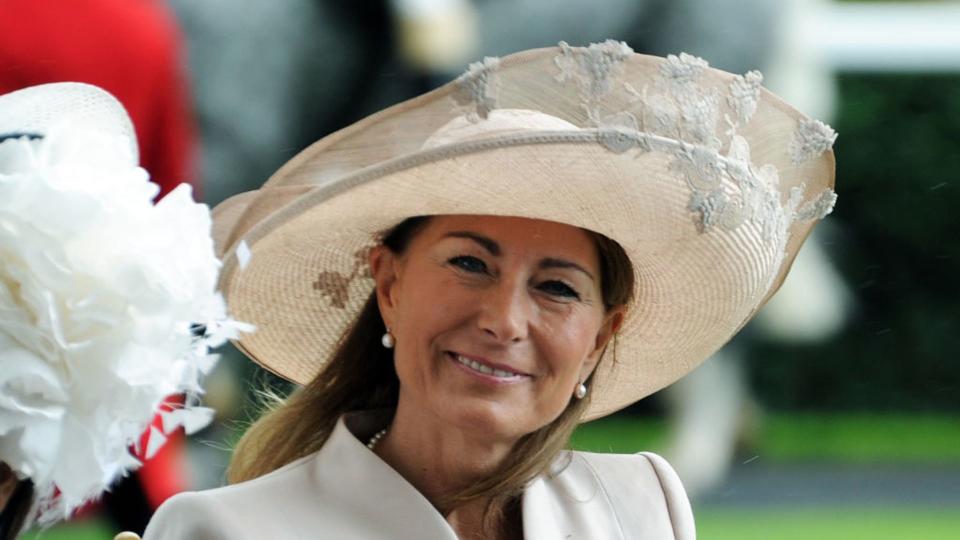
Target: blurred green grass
column 88, row 529
column 834, row 523
column 842, row 438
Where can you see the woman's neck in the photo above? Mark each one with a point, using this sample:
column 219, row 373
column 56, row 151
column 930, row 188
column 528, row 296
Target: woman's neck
column 439, row 461
column 475, row 521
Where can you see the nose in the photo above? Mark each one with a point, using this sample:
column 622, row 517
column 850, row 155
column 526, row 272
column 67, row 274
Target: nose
column 506, row 312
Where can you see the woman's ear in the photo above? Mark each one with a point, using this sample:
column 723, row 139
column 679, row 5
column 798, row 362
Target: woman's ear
column 612, row 321
column 383, row 267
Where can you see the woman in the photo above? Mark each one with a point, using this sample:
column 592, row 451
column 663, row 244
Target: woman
column 461, row 279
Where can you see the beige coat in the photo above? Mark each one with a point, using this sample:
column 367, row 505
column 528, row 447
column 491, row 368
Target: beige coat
column 346, row 492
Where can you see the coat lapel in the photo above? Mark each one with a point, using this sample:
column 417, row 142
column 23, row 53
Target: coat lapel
column 379, row 502
column 569, row 504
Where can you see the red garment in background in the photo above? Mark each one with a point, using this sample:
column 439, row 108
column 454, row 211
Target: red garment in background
column 132, row 49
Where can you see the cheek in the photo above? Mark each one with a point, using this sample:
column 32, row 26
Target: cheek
column 435, row 300
column 568, row 342
column 427, row 309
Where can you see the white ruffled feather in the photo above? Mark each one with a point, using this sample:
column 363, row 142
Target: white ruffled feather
column 99, row 289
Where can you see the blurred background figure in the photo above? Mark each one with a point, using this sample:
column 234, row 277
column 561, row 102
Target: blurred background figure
column 131, row 48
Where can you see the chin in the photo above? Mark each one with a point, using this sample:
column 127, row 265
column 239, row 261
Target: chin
column 487, row 418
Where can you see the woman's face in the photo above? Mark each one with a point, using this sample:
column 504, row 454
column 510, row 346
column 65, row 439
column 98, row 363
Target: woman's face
column 496, row 320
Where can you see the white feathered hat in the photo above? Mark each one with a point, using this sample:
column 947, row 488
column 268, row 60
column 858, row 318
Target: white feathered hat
column 100, row 294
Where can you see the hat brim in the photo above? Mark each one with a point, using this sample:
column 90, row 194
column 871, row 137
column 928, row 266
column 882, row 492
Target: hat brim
column 694, row 291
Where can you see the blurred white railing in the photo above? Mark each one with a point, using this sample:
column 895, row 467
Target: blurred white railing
column 899, row 36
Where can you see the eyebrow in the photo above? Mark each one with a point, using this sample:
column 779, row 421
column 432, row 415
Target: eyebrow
column 493, row 248
column 486, row 243
column 551, row 262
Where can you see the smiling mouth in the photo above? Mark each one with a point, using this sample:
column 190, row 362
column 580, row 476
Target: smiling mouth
column 483, row 369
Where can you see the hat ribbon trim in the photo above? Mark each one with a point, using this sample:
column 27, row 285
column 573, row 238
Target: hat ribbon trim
column 704, row 169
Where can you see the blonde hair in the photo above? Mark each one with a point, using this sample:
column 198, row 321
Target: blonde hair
column 360, row 376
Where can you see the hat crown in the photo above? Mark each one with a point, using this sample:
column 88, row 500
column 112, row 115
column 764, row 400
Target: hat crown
column 500, row 122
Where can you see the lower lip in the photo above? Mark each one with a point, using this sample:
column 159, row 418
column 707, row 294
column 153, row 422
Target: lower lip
column 489, row 379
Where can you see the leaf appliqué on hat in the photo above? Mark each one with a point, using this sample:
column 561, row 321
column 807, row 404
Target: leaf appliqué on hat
column 744, row 95
column 677, row 106
column 819, row 207
column 336, row 285
column 683, row 70
column 619, row 140
column 593, row 69
column 478, row 88
column 811, row 139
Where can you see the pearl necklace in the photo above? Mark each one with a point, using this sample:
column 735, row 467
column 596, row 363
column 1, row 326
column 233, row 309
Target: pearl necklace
column 376, row 438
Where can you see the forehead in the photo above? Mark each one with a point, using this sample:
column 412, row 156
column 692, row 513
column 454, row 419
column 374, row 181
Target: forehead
column 519, row 236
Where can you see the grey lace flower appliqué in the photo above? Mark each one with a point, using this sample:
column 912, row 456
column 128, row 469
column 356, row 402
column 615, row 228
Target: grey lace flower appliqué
column 478, row 87
column 811, row 139
column 336, row 285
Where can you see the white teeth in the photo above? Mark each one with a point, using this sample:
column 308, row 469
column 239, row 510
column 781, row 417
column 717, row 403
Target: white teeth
column 487, row 370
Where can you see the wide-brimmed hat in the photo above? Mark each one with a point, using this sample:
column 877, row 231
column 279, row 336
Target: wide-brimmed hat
column 709, row 183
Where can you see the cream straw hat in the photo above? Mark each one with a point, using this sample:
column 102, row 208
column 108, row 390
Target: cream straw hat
column 709, row 183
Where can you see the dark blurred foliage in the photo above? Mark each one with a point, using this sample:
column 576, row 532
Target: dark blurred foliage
column 895, row 238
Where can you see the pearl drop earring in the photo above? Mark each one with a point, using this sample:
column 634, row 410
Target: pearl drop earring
column 581, row 391
column 387, row 340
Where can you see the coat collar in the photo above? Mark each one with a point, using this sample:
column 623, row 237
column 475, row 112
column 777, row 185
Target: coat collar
column 383, row 502
column 567, row 503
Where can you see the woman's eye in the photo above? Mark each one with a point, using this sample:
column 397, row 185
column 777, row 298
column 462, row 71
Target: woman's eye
column 469, row 264
column 559, row 288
